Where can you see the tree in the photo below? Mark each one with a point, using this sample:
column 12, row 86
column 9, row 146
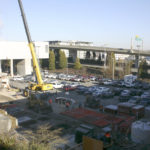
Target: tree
column 127, row 67
column 77, row 64
column 65, row 60
column 143, row 69
column 62, row 60
column 110, row 62
column 51, row 60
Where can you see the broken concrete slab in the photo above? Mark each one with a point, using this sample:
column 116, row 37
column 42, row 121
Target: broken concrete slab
column 5, row 123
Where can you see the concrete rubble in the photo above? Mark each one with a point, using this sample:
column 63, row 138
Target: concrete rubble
column 5, row 123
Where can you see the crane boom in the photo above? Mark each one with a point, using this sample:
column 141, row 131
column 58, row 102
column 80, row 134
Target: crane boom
column 32, row 49
column 40, row 86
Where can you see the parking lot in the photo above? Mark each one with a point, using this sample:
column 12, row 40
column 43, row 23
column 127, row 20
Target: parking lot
column 87, row 90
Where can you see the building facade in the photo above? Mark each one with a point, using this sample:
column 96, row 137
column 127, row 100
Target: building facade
column 19, row 55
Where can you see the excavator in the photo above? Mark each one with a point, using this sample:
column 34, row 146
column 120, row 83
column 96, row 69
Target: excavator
column 39, row 85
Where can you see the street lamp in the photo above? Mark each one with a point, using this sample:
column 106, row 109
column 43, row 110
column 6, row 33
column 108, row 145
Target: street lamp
column 113, row 68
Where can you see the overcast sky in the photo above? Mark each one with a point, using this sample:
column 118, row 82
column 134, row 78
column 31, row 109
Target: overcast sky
column 105, row 22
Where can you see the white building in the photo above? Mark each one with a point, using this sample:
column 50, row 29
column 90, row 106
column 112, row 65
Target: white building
column 20, row 51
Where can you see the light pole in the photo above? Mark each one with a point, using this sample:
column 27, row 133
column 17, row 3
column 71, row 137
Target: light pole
column 113, row 68
column 67, row 65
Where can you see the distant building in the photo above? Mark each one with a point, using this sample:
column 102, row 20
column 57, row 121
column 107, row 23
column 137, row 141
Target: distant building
column 20, row 56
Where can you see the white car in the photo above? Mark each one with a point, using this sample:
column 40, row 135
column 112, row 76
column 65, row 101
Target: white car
column 57, row 85
column 52, row 76
column 109, row 82
column 103, row 89
column 18, row 78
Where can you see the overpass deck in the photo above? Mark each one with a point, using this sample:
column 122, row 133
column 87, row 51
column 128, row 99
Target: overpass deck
column 102, row 49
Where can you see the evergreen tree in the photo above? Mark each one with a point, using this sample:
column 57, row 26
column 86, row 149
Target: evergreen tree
column 77, row 64
column 51, row 60
column 143, row 69
column 62, row 60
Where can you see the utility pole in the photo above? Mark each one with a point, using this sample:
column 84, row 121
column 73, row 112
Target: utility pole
column 113, row 68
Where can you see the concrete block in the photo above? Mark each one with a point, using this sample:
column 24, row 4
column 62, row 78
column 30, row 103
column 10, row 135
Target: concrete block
column 5, row 123
column 14, row 122
column 3, row 112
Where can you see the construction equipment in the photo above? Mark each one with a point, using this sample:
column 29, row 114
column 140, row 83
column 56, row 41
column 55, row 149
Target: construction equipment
column 40, row 85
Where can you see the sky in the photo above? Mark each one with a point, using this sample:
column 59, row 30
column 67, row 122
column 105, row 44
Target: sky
column 110, row 23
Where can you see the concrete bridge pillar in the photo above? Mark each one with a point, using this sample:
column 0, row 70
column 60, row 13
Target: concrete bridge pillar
column 11, row 68
column 0, row 66
column 24, row 67
column 73, row 54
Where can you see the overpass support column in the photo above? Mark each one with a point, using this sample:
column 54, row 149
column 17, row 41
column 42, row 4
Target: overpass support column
column 11, row 68
column 0, row 66
column 24, row 67
column 73, row 54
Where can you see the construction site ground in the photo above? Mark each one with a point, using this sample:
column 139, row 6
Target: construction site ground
column 55, row 127
column 60, row 128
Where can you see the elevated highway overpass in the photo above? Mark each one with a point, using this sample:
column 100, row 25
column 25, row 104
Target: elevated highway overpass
column 101, row 49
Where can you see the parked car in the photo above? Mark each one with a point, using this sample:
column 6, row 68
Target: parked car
column 145, row 86
column 69, row 88
column 145, row 95
column 64, row 83
column 117, row 91
column 93, row 78
column 57, row 85
column 138, row 85
column 134, row 99
column 125, row 95
column 145, row 102
column 129, row 85
column 81, row 90
column 125, row 92
column 107, row 94
column 135, row 92
column 78, row 79
column 85, row 79
column 108, row 82
column 115, row 82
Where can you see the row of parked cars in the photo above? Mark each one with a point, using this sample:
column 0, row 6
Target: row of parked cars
column 136, row 96
column 120, row 83
column 69, row 77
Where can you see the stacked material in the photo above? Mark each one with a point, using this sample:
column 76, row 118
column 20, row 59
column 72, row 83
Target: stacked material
column 140, row 132
column 125, row 108
column 138, row 111
column 125, row 127
column 5, row 123
column 147, row 112
column 111, row 109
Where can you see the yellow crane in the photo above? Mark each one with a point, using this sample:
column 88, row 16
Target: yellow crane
column 40, row 85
